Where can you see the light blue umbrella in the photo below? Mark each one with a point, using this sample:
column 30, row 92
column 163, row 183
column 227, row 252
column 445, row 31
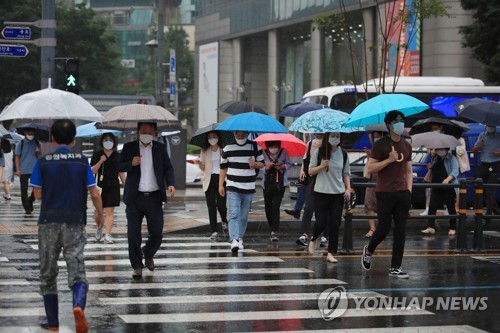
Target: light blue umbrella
column 323, row 121
column 252, row 122
column 373, row 111
column 89, row 131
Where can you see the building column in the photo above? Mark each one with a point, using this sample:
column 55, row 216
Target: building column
column 370, row 31
column 272, row 76
column 238, row 88
column 317, row 57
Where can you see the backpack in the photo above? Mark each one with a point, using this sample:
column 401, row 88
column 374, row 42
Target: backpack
column 274, row 181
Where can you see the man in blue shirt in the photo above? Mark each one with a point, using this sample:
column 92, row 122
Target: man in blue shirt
column 27, row 152
column 61, row 180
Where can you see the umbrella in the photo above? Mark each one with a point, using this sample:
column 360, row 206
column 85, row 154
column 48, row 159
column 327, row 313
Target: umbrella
column 3, row 131
column 323, row 121
column 42, row 132
column 252, row 122
column 126, row 117
column 373, row 111
column 50, row 103
column 425, row 125
column 290, row 143
column 298, row 109
column 200, row 136
column 381, row 127
column 480, row 110
column 434, row 140
column 237, row 107
column 90, row 130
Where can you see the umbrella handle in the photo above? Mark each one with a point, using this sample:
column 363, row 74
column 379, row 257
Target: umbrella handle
column 402, row 156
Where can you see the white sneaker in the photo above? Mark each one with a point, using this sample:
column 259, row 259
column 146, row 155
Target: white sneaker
column 214, row 235
column 323, row 242
column 446, row 212
column 108, row 239
column 235, row 246
column 425, row 213
column 451, row 232
column 98, row 234
column 429, row 230
column 240, row 244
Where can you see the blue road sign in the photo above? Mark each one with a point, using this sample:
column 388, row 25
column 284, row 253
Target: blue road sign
column 172, row 65
column 16, row 33
column 13, row 51
column 172, row 89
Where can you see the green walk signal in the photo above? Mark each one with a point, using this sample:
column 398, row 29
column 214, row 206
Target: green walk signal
column 71, row 75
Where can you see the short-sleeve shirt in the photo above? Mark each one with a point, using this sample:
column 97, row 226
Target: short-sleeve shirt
column 64, row 177
column 25, row 149
column 107, row 175
column 491, row 144
column 392, row 178
column 331, row 181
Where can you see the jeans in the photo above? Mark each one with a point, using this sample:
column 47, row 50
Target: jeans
column 26, row 201
column 215, row 202
column 392, row 206
column 301, row 198
column 438, row 196
column 150, row 207
column 328, row 213
column 272, row 202
column 238, row 208
column 490, row 177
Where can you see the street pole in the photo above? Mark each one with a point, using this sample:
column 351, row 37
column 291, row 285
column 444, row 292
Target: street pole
column 159, row 56
column 48, row 52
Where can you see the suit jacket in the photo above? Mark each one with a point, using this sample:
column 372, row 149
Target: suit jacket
column 163, row 170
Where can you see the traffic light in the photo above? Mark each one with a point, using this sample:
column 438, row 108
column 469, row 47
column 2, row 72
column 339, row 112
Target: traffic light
column 71, row 80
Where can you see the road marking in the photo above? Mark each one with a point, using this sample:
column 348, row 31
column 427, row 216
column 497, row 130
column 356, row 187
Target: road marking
column 493, row 260
column 18, row 295
column 31, row 329
column 164, row 245
column 125, row 252
column 415, row 329
column 16, row 282
column 22, row 312
column 123, row 239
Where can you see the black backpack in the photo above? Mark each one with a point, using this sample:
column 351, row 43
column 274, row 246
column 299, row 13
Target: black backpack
column 274, row 181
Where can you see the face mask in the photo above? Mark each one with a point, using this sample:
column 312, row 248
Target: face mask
column 30, row 137
column 241, row 142
column 273, row 150
column 437, row 131
column 441, row 152
column 108, row 145
column 213, row 142
column 317, row 141
column 334, row 141
column 376, row 139
column 491, row 129
column 398, row 128
column 146, row 138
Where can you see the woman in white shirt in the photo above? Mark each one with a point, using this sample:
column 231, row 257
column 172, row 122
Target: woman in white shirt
column 210, row 164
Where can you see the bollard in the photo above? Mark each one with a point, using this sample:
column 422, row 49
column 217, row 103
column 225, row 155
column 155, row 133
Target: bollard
column 477, row 244
column 461, row 236
column 347, row 243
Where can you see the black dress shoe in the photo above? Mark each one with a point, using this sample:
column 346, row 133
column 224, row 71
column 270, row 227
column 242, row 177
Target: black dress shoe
column 293, row 213
column 150, row 264
column 137, row 273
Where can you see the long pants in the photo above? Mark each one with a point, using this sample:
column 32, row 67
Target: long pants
column 301, row 198
column 71, row 239
column 26, row 201
column 272, row 205
column 490, row 177
column 438, row 196
column 238, row 208
column 309, row 208
column 150, row 207
column 392, row 206
column 328, row 213
column 215, row 202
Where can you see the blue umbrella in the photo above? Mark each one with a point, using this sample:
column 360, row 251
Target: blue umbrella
column 89, row 131
column 323, row 121
column 252, row 122
column 298, row 109
column 373, row 111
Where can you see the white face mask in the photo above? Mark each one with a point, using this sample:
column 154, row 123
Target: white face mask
column 317, row 141
column 241, row 142
column 108, row 145
column 145, row 138
column 441, row 152
column 491, row 129
column 334, row 141
column 398, row 128
column 30, row 137
column 213, row 141
column 273, row 150
column 376, row 139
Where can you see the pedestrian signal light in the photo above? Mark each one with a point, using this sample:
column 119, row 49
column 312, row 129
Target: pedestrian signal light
column 71, row 81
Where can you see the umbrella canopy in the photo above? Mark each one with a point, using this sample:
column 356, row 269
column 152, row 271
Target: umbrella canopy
column 434, row 140
column 293, row 146
column 298, row 109
column 425, row 125
column 200, row 137
column 50, row 104
column 3, row 131
column 252, row 122
column 373, row 110
column 237, row 107
column 42, row 132
column 90, row 130
column 480, row 110
column 126, row 117
column 323, row 121
column 381, row 127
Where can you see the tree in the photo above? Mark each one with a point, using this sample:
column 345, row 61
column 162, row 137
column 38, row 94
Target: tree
column 483, row 36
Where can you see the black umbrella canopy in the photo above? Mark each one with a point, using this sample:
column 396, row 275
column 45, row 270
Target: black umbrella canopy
column 480, row 110
column 237, row 107
column 41, row 131
column 200, row 137
column 449, row 127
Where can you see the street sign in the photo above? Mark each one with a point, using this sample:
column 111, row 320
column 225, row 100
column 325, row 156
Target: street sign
column 172, row 89
column 16, row 32
column 13, row 51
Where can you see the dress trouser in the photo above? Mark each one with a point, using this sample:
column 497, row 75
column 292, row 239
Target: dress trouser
column 26, row 201
column 328, row 213
column 272, row 205
column 438, row 196
column 215, row 202
column 490, row 177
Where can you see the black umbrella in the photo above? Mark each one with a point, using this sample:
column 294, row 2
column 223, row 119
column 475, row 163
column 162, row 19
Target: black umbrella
column 200, row 137
column 237, row 107
column 425, row 125
column 42, row 132
column 298, row 109
column 480, row 110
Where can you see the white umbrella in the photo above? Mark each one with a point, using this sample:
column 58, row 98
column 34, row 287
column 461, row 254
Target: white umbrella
column 50, row 103
column 126, row 117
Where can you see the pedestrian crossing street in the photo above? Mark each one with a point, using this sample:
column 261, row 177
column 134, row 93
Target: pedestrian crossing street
column 198, row 285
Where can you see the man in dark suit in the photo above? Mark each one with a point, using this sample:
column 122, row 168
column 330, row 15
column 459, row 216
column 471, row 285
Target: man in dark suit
column 149, row 176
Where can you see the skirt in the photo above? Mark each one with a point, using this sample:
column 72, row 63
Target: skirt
column 110, row 196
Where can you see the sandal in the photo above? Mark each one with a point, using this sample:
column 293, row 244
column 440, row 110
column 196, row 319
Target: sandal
column 369, row 234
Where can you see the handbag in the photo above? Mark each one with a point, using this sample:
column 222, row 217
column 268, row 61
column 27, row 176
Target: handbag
column 428, row 176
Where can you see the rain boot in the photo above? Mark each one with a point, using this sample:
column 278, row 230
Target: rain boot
column 79, row 300
column 52, row 311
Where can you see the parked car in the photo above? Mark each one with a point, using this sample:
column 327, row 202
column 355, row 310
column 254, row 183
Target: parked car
column 193, row 172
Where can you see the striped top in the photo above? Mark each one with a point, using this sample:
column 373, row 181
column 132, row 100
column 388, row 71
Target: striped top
column 240, row 178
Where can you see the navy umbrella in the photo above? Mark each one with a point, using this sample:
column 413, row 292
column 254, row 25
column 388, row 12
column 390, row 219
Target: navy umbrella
column 41, row 131
column 480, row 110
column 298, row 109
